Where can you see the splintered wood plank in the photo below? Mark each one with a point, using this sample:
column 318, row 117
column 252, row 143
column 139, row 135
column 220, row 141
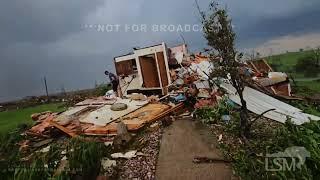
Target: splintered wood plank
column 62, row 128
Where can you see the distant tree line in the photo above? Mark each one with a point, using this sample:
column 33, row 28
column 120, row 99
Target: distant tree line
column 310, row 64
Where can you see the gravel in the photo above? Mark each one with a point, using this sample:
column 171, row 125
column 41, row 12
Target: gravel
column 143, row 167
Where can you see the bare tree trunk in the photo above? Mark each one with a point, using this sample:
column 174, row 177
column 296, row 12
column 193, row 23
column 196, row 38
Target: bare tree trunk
column 244, row 117
column 244, row 124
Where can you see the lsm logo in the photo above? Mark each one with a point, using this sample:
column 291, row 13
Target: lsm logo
column 292, row 158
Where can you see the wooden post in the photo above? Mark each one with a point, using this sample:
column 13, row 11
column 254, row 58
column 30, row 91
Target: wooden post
column 123, row 136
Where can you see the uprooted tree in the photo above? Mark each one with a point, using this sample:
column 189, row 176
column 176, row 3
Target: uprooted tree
column 219, row 33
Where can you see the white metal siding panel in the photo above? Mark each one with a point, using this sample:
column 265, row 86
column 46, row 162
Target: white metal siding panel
column 258, row 103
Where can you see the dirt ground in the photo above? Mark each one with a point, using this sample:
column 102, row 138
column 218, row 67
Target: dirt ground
column 180, row 143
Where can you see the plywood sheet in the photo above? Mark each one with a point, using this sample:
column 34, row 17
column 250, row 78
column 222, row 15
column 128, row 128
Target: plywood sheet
column 283, row 89
column 124, row 67
column 149, row 72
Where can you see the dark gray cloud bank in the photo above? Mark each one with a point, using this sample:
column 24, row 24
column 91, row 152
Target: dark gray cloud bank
column 50, row 38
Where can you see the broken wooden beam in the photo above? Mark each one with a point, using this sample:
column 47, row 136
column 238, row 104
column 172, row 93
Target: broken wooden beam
column 65, row 130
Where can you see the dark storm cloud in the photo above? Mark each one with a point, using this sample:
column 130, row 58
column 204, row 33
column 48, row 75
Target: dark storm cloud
column 24, row 74
column 265, row 28
column 46, row 37
column 26, row 29
column 41, row 20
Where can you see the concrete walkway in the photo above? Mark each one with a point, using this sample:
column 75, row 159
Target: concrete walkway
column 180, row 142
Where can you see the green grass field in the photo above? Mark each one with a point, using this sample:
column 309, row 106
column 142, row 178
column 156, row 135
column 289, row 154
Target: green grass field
column 287, row 61
column 307, row 88
column 9, row 120
column 313, row 85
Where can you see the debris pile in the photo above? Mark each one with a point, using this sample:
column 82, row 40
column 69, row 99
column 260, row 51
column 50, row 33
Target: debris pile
column 163, row 81
column 100, row 118
column 155, row 83
column 276, row 83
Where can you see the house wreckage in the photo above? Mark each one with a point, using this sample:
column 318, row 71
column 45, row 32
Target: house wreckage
column 156, row 81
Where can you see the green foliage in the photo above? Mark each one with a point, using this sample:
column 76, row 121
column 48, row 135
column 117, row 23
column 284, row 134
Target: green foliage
column 37, row 170
column 307, row 136
column 41, row 166
column 308, row 66
column 234, row 125
column 53, row 157
column 84, row 156
column 310, row 108
column 9, row 153
column 207, row 115
column 63, row 176
column 213, row 114
column 12, row 166
column 249, row 160
column 101, row 89
column 9, row 141
column 249, row 166
column 218, row 31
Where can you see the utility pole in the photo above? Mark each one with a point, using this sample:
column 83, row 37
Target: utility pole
column 184, row 41
column 45, row 84
column 63, row 90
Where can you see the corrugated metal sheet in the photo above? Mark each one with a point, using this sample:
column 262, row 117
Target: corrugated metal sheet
column 258, row 103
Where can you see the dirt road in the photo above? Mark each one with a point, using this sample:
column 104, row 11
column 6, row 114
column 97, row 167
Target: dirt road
column 183, row 140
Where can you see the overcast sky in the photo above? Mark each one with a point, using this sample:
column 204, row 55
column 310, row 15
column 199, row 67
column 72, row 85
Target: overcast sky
column 53, row 38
